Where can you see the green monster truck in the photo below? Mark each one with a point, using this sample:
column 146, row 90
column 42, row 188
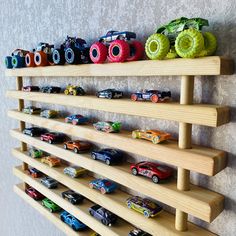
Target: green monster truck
column 181, row 37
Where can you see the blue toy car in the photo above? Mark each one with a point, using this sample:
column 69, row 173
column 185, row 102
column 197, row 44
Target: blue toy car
column 76, row 119
column 104, row 185
column 73, row 222
column 108, row 155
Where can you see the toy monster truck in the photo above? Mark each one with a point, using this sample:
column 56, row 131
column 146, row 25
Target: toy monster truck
column 117, row 47
column 73, row 51
column 17, row 59
column 40, row 56
column 74, row 90
column 181, row 37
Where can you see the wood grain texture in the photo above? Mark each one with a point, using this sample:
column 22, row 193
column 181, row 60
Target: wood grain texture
column 201, row 114
column 213, row 65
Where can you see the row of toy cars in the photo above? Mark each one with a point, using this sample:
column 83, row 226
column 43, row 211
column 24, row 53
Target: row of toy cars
column 182, row 37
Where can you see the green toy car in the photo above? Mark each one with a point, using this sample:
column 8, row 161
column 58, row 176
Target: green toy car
column 107, row 126
column 53, row 207
column 35, row 153
column 181, row 37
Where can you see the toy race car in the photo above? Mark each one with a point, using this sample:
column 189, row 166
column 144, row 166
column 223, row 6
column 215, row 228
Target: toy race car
column 73, row 197
column 181, row 37
column 73, row 51
column 74, row 90
column 143, row 206
column 53, row 137
column 31, row 110
column 30, row 88
column 73, row 222
column 51, row 161
column 108, row 155
column 34, row 193
column 16, row 60
column 33, row 172
column 76, row 119
column 152, row 170
column 77, row 146
column 138, row 232
column 152, row 95
column 34, row 131
column 107, row 126
column 103, row 215
column 52, row 207
column 109, row 93
column 155, row 136
column 104, row 185
column 50, row 89
column 35, row 153
column 40, row 56
column 117, row 47
column 49, row 182
column 49, row 113
column 74, row 171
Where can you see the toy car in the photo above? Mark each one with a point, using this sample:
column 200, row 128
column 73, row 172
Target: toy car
column 73, row 197
column 108, row 155
column 77, row 146
column 34, row 131
column 49, row 114
column 152, row 95
column 104, row 185
column 30, row 88
column 73, row 222
column 152, row 170
column 73, row 51
column 144, row 206
column 138, row 232
column 49, row 182
column 107, row 126
column 74, row 90
column 51, row 161
column 31, row 110
column 155, row 136
column 74, row 171
column 76, row 119
column 95, row 234
column 181, row 37
column 35, row 153
column 103, row 215
column 109, row 93
column 34, row 172
column 50, row 89
column 53, row 137
column 34, row 193
column 117, row 47
column 52, row 207
column 16, row 60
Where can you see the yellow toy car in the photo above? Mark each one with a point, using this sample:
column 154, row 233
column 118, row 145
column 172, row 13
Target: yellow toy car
column 49, row 114
column 74, row 171
column 51, row 161
column 74, row 90
column 155, row 136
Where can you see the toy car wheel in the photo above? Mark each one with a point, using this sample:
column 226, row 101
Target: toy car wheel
column 154, row 98
column 58, row 56
column 18, row 61
column 91, row 213
column 72, row 56
column 134, row 97
column 65, row 146
column 76, row 150
column 74, row 122
column 42, row 204
column 104, row 222
column 91, row 185
column 8, row 63
column 129, row 205
column 66, row 92
column 155, row 179
column 74, row 93
column 66, row 120
column 210, row 43
column 134, row 171
column 135, row 134
column 32, row 135
column 74, row 228
column 109, row 96
column 41, row 138
column 136, row 51
column 40, row 58
column 50, row 141
column 29, row 59
column 146, row 214
column 108, row 162
column 118, row 51
column 103, row 190
column 51, row 210
column 62, row 218
column 94, row 156
column 155, row 140
column 98, row 52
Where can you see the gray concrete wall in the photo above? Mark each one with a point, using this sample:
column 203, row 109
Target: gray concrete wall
column 25, row 23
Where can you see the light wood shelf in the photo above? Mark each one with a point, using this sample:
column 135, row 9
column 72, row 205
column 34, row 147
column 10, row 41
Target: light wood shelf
column 200, row 159
column 163, row 224
column 213, row 65
column 201, row 114
column 54, row 218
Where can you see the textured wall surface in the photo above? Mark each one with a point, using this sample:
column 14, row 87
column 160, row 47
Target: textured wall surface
column 25, row 23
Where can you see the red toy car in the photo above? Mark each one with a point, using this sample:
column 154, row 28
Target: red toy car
column 34, row 194
column 34, row 172
column 152, row 170
column 53, row 137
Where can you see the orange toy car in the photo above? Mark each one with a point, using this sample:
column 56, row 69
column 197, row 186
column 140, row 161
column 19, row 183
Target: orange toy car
column 155, row 136
column 77, row 145
column 51, row 161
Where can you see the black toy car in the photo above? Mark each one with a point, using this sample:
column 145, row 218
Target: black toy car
column 73, row 51
column 50, row 89
column 109, row 93
column 138, row 232
column 72, row 197
column 30, row 88
column 103, row 215
column 34, row 131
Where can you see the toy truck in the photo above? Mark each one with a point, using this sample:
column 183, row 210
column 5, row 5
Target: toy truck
column 17, row 59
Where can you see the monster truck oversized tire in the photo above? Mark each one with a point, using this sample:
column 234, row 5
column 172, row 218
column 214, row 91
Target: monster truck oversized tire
column 40, row 58
column 157, row 46
column 189, row 43
column 18, row 61
column 8, row 62
column 210, row 43
column 29, row 59
column 73, row 56
column 119, row 51
column 58, row 57
column 136, row 51
column 98, row 53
